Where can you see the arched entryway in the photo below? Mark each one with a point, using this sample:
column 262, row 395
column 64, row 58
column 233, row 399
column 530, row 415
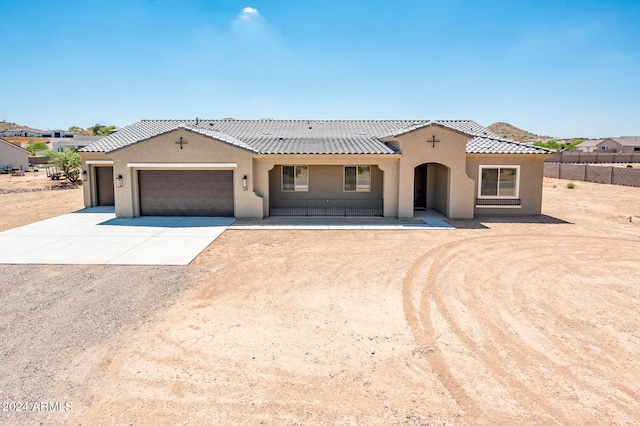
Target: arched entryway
column 431, row 187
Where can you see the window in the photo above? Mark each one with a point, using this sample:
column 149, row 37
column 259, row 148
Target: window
column 295, row 178
column 499, row 182
column 357, row 178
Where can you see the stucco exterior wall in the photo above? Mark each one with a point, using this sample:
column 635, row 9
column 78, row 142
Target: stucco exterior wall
column 609, row 144
column 163, row 150
column 11, row 155
column 325, row 182
column 531, row 177
column 387, row 165
column 449, row 152
column 89, row 186
column 441, row 194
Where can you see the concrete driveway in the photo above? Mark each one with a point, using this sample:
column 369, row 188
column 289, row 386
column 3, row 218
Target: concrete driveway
column 96, row 236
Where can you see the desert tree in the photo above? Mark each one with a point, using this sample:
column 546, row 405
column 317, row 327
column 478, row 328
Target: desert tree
column 69, row 163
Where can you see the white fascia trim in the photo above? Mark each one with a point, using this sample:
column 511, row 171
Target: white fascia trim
column 182, row 166
column 99, row 162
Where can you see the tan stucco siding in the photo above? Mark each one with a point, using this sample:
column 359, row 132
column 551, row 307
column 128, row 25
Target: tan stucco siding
column 387, row 165
column 441, row 195
column 325, row 182
column 531, row 179
column 12, row 156
column 198, row 149
column 89, row 186
column 450, row 151
column 609, row 144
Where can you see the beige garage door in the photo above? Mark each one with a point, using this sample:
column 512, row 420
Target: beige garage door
column 186, row 192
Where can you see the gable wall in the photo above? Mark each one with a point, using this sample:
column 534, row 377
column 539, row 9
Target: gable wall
column 199, row 149
column 609, row 144
column 450, row 152
column 13, row 156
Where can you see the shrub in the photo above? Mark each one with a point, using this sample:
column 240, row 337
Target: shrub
column 571, row 185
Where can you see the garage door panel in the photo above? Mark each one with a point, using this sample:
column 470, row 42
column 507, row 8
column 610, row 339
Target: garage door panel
column 186, row 192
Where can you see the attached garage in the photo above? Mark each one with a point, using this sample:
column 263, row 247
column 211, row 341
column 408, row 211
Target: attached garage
column 186, row 192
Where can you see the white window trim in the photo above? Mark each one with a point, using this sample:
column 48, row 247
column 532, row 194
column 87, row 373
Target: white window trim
column 294, row 177
column 344, row 175
column 499, row 166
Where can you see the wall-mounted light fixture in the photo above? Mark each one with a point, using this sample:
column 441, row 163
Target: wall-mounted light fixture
column 245, row 183
column 84, row 175
column 119, row 181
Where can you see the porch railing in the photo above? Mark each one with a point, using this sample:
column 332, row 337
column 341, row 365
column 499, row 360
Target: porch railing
column 324, row 207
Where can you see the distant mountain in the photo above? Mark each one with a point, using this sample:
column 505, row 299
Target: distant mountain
column 509, row 131
column 7, row 125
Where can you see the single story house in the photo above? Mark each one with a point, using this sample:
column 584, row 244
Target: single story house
column 259, row 168
column 75, row 143
column 622, row 145
column 12, row 156
column 26, row 132
column 590, row 145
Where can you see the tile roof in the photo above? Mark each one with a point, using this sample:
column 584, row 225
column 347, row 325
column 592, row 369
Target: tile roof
column 310, row 136
column 628, row 140
column 590, row 142
column 486, row 145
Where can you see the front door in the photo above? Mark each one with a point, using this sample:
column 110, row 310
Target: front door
column 420, row 187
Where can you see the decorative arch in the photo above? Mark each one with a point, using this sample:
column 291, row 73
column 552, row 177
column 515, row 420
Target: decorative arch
column 431, row 187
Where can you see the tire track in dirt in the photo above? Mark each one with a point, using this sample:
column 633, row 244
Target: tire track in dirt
column 421, row 325
column 492, row 361
column 596, row 341
column 423, row 332
column 580, row 331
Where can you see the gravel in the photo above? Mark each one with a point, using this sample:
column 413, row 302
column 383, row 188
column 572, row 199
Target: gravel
column 21, row 190
column 52, row 315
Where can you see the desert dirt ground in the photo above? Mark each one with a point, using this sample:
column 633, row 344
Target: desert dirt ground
column 502, row 321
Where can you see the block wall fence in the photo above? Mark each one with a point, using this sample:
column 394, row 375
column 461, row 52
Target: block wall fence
column 599, row 174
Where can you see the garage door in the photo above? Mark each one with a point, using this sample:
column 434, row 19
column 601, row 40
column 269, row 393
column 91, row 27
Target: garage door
column 104, row 185
column 186, row 192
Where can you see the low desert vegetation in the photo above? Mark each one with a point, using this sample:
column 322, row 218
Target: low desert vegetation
column 554, row 144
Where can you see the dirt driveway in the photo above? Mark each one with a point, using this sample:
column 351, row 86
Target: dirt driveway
column 510, row 321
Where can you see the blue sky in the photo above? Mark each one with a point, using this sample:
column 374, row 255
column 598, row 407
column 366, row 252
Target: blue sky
column 563, row 68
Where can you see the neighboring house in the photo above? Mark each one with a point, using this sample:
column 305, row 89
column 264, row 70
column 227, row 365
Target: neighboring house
column 624, row 144
column 12, row 156
column 75, row 143
column 589, row 145
column 258, row 168
column 26, row 132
